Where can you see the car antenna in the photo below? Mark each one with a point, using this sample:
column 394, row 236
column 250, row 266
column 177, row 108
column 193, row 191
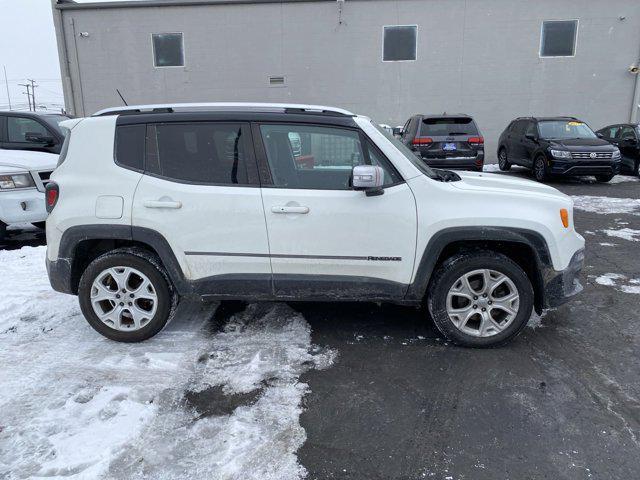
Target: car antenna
column 123, row 100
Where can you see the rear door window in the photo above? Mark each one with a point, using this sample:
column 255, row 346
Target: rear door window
column 444, row 127
column 209, row 153
column 129, row 151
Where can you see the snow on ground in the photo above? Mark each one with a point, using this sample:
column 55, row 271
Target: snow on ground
column 620, row 282
column 607, row 205
column 193, row 402
column 625, row 233
column 491, row 167
column 624, row 179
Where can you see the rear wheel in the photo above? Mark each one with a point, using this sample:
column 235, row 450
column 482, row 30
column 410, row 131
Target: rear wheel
column 636, row 168
column 540, row 169
column 503, row 161
column 126, row 295
column 480, row 299
column 605, row 178
column 3, row 231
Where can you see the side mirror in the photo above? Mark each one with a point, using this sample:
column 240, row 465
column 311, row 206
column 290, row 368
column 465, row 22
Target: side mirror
column 368, row 178
column 531, row 136
column 397, row 131
column 599, row 135
column 39, row 138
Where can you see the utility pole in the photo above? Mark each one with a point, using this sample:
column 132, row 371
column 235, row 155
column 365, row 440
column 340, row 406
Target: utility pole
column 33, row 92
column 27, row 93
column 6, row 82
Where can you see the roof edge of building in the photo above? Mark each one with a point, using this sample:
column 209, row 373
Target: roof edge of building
column 71, row 5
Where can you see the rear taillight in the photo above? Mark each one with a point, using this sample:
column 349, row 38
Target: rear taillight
column 422, row 141
column 52, row 193
column 475, row 141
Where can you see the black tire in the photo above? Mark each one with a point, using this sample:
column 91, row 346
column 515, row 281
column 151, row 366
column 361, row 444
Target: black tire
column 3, row 231
column 149, row 265
column 605, row 178
column 40, row 225
column 503, row 160
column 540, row 168
column 451, row 270
column 636, row 169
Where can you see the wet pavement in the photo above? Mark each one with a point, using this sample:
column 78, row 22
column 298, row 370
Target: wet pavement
column 560, row 402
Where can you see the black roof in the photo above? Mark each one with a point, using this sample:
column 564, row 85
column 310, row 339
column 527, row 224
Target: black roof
column 443, row 115
column 543, row 119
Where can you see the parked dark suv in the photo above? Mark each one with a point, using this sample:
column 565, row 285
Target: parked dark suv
column 37, row 131
column 625, row 136
column 557, row 146
column 445, row 141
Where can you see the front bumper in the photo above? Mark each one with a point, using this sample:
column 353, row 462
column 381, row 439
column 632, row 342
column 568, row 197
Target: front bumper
column 562, row 286
column 584, row 167
column 22, row 206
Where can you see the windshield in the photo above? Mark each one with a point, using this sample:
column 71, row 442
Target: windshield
column 444, row 127
column 565, row 129
column 419, row 164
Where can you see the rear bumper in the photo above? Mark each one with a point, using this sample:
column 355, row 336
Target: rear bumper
column 583, row 167
column 456, row 163
column 562, row 286
column 59, row 272
column 22, row 206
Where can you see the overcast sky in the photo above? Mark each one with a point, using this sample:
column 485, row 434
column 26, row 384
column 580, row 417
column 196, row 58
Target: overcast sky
column 28, row 50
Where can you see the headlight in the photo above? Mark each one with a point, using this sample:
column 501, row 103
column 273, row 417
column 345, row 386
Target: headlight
column 560, row 154
column 21, row 180
column 616, row 154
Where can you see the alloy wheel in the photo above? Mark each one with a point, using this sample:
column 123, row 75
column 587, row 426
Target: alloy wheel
column 482, row 303
column 124, row 298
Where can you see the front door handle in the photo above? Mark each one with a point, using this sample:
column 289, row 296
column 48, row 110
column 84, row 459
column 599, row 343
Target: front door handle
column 286, row 209
column 162, row 204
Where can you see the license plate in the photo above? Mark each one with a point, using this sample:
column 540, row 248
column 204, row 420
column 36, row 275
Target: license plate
column 449, row 146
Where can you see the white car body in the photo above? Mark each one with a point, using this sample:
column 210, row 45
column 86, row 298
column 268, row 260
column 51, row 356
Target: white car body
column 234, row 233
column 25, row 205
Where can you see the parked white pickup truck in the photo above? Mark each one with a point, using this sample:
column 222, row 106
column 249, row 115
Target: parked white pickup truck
column 23, row 178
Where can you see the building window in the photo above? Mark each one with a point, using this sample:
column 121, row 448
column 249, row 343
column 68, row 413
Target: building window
column 399, row 43
column 168, row 50
column 558, row 38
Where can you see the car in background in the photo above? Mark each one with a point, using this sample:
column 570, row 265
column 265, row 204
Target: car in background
column 445, row 141
column 35, row 131
column 625, row 136
column 557, row 146
column 23, row 180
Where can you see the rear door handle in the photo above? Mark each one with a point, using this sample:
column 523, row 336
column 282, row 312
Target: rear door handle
column 285, row 209
column 162, row 204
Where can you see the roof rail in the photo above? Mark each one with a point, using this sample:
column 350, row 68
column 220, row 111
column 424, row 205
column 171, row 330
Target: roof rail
column 229, row 107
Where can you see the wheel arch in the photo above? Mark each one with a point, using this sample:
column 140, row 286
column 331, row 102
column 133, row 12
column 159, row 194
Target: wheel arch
column 80, row 245
column 525, row 247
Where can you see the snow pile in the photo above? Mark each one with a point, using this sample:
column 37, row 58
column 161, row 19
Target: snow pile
column 620, row 282
column 625, row 233
column 189, row 403
column 491, row 167
column 624, row 179
column 606, row 205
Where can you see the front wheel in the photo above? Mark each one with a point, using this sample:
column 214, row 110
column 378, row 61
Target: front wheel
column 480, row 299
column 540, row 169
column 503, row 160
column 605, row 178
column 126, row 295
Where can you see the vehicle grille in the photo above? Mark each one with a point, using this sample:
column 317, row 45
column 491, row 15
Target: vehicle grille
column 588, row 155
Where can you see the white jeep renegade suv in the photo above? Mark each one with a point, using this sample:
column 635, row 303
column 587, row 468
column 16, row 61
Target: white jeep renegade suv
column 294, row 202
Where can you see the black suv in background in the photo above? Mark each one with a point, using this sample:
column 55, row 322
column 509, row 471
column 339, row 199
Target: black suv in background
column 36, row 131
column 625, row 136
column 557, row 146
column 445, row 141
